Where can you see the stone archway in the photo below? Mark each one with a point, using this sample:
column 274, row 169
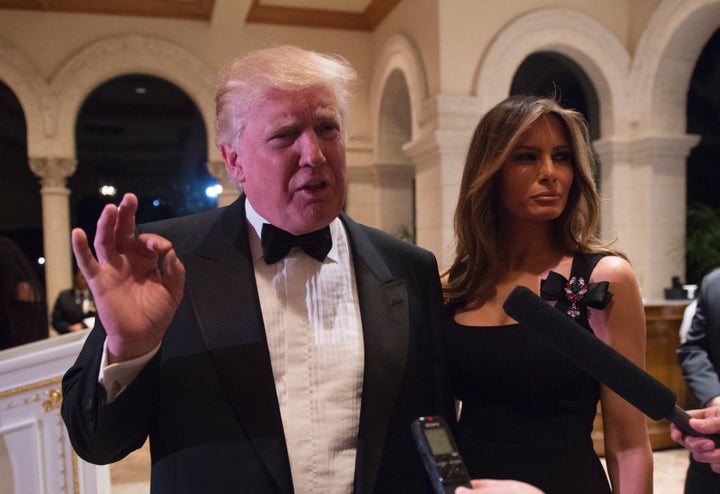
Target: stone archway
column 580, row 38
column 52, row 157
column 397, row 91
column 116, row 56
column 393, row 168
column 31, row 90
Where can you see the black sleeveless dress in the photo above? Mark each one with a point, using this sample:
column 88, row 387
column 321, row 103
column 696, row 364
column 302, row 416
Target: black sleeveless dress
column 527, row 411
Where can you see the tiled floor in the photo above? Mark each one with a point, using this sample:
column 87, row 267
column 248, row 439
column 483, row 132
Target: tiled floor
column 130, row 476
column 669, row 471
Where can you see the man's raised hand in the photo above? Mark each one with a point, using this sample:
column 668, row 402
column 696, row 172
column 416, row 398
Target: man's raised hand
column 136, row 297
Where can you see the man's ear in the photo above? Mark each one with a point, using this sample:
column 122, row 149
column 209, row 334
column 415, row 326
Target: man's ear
column 232, row 163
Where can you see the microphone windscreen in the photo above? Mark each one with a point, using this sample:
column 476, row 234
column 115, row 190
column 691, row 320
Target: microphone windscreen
column 590, row 354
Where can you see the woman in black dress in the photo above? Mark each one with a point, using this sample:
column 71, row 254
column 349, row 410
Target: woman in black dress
column 527, row 215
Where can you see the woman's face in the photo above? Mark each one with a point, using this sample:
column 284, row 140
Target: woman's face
column 534, row 183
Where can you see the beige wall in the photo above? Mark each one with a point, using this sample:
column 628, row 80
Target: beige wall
column 418, row 21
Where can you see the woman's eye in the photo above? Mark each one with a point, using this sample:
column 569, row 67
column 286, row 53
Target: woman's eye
column 564, row 156
column 525, row 157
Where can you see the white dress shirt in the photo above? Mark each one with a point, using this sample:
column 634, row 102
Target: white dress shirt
column 312, row 322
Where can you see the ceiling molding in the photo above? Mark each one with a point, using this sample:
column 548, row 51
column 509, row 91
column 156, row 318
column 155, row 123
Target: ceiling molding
column 368, row 20
column 183, row 9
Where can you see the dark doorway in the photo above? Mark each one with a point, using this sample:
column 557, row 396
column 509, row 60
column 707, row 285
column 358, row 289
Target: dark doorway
column 703, row 164
column 555, row 75
column 20, row 201
column 138, row 133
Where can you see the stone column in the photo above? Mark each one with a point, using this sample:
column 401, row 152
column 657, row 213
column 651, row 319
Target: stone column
column 360, row 203
column 396, row 199
column 53, row 172
column 438, row 154
column 643, row 188
column 230, row 190
column 360, row 197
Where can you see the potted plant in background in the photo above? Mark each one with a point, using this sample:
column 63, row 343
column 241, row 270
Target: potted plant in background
column 702, row 242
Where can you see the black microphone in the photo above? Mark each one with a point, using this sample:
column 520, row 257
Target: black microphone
column 598, row 359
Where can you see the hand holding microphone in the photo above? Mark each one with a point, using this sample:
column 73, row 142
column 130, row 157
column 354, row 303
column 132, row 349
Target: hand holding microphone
column 706, row 421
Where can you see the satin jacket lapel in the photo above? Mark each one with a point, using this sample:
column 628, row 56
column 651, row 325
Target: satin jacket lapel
column 384, row 309
column 224, row 296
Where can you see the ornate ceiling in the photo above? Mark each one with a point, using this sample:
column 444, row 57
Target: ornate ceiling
column 362, row 15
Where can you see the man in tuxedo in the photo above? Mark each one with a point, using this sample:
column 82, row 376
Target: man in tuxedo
column 258, row 360
column 74, row 308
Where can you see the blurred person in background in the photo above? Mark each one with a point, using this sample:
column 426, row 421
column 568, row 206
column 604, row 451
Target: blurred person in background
column 23, row 316
column 74, row 308
column 699, row 356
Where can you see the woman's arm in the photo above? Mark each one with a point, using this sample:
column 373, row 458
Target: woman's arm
column 622, row 326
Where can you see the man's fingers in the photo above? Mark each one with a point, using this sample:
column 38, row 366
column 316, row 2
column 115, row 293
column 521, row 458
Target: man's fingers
column 708, row 425
column 104, row 242
column 174, row 275
column 151, row 244
column 83, row 255
column 125, row 223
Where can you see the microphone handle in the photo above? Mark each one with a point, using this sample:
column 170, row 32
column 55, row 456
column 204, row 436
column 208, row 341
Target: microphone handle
column 681, row 419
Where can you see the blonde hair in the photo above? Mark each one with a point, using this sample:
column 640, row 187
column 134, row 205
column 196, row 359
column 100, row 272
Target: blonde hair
column 248, row 79
column 473, row 273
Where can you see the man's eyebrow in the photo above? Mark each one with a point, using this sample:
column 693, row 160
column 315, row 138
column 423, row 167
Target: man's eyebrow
column 327, row 113
column 282, row 124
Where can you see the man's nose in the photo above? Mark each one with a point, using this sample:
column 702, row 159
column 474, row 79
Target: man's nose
column 311, row 153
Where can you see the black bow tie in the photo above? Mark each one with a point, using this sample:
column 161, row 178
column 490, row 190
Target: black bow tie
column 276, row 243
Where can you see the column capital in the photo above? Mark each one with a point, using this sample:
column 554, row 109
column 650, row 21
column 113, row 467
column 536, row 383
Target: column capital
column 640, row 148
column 665, row 145
column 394, row 171
column 447, row 123
column 52, row 170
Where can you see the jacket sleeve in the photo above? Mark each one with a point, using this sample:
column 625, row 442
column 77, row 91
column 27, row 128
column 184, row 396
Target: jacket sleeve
column 101, row 433
column 698, row 355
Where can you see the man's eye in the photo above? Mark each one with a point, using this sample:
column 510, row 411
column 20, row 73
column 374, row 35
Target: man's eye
column 329, row 130
column 282, row 139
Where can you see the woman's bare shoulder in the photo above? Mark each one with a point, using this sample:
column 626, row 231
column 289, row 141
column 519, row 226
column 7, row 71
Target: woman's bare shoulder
column 613, row 269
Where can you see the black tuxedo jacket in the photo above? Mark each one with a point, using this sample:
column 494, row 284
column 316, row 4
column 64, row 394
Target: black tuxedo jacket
column 700, row 354
column 207, row 400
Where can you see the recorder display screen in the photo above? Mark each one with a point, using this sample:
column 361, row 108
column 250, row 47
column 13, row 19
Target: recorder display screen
column 438, row 441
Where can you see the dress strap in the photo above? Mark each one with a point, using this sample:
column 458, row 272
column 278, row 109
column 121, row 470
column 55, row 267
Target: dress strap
column 584, row 264
column 575, row 295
